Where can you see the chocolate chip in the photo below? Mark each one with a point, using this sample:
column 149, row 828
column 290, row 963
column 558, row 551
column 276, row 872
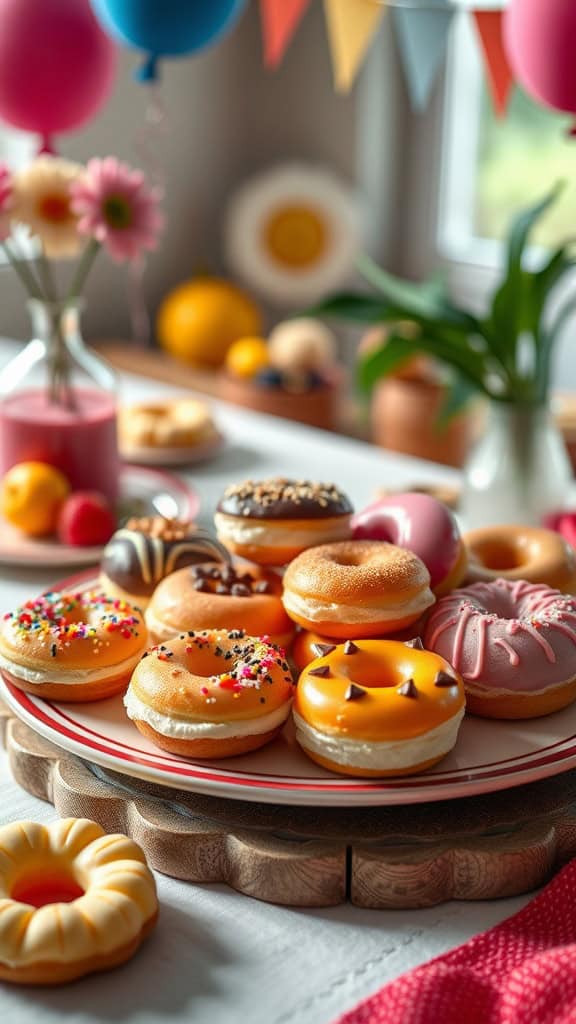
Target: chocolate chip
column 214, row 574
column 222, row 588
column 145, row 655
column 354, row 692
column 350, row 647
column 321, row 650
column 408, row 689
column 228, row 574
column 198, row 572
column 322, row 670
column 444, row 679
column 262, row 587
column 202, row 585
column 236, row 634
column 53, row 650
column 240, row 590
column 416, row 644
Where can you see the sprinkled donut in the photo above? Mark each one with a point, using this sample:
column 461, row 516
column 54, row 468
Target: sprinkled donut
column 147, row 550
column 358, row 588
column 513, row 642
column 211, row 693
column 73, row 900
column 272, row 521
column 378, row 708
column 75, row 647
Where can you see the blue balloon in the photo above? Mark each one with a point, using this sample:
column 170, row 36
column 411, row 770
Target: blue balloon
column 166, row 28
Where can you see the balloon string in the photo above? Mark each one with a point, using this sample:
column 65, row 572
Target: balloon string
column 149, row 146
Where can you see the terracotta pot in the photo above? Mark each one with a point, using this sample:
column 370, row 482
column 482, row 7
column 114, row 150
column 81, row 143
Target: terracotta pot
column 318, row 408
column 403, row 418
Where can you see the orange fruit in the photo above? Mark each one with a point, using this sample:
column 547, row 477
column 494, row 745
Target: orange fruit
column 200, row 319
column 247, row 356
column 31, row 495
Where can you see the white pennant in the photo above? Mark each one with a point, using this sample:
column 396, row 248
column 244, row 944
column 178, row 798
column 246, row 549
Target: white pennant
column 422, row 39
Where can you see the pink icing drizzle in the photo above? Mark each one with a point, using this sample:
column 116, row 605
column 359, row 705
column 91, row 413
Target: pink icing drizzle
column 512, row 654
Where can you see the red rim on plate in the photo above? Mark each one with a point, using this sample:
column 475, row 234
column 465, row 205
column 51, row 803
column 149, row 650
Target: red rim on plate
column 280, row 773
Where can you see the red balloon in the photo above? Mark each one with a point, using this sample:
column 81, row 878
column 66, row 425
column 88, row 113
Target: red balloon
column 57, row 66
column 540, row 39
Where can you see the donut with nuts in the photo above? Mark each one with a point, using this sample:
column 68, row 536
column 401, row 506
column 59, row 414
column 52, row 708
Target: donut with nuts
column 272, row 521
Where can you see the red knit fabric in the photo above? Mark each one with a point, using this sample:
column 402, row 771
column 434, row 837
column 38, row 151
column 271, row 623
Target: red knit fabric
column 523, row 971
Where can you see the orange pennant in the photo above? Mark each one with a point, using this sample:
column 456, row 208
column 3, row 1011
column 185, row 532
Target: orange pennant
column 500, row 74
column 280, row 19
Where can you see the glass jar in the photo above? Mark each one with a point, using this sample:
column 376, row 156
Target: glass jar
column 58, row 403
column 519, row 470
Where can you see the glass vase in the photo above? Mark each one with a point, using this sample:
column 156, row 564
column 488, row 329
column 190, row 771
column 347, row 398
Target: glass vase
column 519, row 470
column 58, row 403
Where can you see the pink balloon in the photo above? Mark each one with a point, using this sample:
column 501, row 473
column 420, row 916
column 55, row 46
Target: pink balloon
column 57, row 66
column 540, row 39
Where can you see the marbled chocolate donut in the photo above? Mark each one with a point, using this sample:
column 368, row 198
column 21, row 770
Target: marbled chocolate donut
column 145, row 551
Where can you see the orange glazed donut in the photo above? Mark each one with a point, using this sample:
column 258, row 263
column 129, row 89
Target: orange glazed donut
column 213, row 597
column 74, row 647
column 356, row 589
column 73, row 900
column 521, row 553
column 211, row 694
column 272, row 521
column 378, row 708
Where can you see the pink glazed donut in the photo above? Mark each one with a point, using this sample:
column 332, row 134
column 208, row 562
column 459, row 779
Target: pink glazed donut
column 422, row 525
column 513, row 643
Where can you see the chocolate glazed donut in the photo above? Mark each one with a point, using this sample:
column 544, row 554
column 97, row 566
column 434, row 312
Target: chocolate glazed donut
column 145, row 551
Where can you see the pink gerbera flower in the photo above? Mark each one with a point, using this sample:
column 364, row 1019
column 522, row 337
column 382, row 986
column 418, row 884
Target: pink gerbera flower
column 117, row 208
column 5, row 201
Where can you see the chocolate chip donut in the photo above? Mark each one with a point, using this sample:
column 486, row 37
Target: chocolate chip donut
column 145, row 550
column 272, row 521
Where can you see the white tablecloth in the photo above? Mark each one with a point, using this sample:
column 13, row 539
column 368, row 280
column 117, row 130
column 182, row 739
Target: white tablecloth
column 218, row 957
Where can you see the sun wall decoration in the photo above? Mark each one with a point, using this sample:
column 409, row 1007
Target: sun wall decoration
column 292, row 233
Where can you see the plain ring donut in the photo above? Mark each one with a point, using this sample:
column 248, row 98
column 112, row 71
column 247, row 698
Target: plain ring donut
column 521, row 553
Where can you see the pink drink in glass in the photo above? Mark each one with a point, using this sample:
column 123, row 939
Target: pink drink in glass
column 79, row 441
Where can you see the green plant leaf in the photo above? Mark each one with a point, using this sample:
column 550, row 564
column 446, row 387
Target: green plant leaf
column 355, row 307
column 383, row 360
column 548, row 339
column 420, row 302
column 459, row 393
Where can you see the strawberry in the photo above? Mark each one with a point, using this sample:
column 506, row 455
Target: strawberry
column 86, row 519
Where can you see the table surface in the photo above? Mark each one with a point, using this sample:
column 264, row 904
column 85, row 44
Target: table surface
column 217, row 957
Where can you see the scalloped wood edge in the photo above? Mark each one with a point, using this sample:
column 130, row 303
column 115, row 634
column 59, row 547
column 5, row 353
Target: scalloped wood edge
column 303, row 872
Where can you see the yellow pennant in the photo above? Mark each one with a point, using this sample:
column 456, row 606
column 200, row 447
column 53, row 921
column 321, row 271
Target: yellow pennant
column 351, row 25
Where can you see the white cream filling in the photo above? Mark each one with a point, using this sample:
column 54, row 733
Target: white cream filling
column 248, row 531
column 389, row 755
column 320, row 611
column 160, row 630
column 196, row 729
column 68, row 676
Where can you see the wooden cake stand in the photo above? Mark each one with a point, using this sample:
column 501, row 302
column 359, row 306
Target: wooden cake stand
column 483, row 847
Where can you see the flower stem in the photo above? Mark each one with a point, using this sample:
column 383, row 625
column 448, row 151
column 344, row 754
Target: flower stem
column 47, row 277
column 23, row 271
column 83, row 269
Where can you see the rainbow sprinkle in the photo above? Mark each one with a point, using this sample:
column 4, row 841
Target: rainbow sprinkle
column 52, row 618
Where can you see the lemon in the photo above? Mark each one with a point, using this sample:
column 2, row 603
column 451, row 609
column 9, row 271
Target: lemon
column 199, row 320
column 247, row 356
column 31, row 496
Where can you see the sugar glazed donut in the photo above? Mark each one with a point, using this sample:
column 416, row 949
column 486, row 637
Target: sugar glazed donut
column 521, row 553
column 356, row 589
column 72, row 901
column 211, row 694
column 514, row 643
column 213, row 597
column 75, row 647
column 272, row 521
column 378, row 708
column 424, row 526
column 146, row 550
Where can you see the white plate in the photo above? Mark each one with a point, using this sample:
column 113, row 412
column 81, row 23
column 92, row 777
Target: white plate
column 143, row 492
column 181, row 456
column 488, row 756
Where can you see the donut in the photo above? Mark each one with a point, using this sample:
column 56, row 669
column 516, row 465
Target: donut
column 73, row 901
column 216, row 597
column 308, row 646
column 422, row 525
column 146, row 550
column 513, row 642
column 520, row 553
column 272, row 521
column 211, row 693
column 176, row 423
column 378, row 708
column 358, row 588
column 73, row 647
